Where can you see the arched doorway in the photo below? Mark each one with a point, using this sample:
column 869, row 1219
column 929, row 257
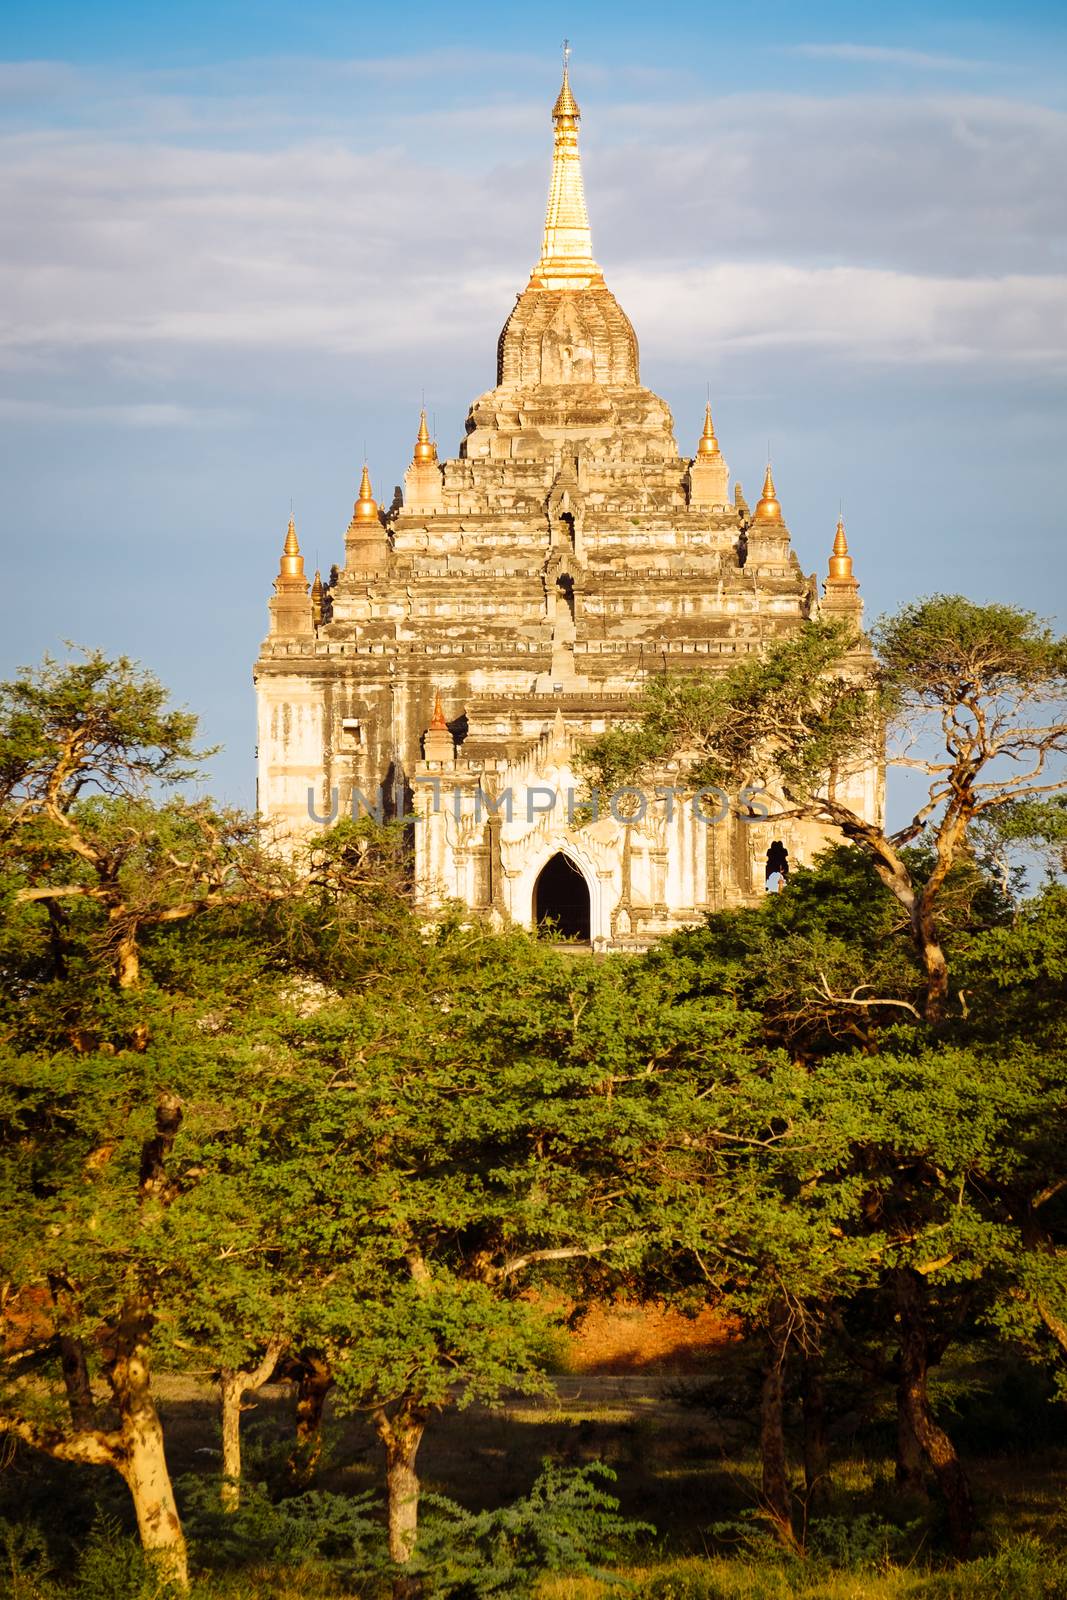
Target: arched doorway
column 777, row 867
column 561, row 899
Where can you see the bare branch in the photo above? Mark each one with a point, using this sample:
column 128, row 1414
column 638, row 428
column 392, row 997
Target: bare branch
column 853, row 998
column 1047, row 1194
column 566, row 1253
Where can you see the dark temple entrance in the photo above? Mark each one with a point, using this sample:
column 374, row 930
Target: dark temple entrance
column 777, row 866
column 561, row 899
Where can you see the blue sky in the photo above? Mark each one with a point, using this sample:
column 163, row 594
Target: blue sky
column 240, row 240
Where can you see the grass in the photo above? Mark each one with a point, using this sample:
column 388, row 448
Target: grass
column 685, row 1461
column 1020, row 1572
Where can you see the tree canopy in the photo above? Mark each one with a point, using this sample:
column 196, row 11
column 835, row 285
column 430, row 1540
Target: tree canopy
column 259, row 1115
column 973, row 697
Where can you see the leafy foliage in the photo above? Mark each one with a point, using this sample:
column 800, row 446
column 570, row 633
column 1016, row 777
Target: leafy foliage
column 335, row 1532
column 567, row 1523
column 975, row 697
column 251, row 1106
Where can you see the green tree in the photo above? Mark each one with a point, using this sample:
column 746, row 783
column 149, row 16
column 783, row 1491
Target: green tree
column 91, row 868
column 974, row 698
column 397, row 1146
column 96, row 850
column 876, row 1186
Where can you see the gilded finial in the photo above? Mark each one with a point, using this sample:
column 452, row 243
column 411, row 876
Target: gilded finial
column 366, row 507
column 841, row 561
column 709, row 445
column 768, row 508
column 438, row 722
column 567, row 248
column 316, row 598
column 291, row 568
column 566, row 105
column 425, row 449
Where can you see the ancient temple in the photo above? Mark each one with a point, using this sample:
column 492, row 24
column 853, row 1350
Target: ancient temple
column 507, row 609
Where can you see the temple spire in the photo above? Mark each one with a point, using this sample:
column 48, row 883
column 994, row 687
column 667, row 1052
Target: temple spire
column 425, row 449
column 841, row 591
column 366, row 507
column 709, row 445
column 840, row 562
column 291, row 569
column 290, row 607
column 567, row 250
column 708, row 473
column 768, row 508
column 437, row 742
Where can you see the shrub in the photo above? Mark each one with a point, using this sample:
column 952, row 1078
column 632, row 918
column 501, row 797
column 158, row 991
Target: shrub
column 333, row 1531
column 112, row 1566
column 566, row 1524
column 24, row 1563
column 863, row 1542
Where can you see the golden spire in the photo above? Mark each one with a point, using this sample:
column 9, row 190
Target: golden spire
column 425, row 449
column 438, row 743
column 709, row 445
column 567, row 250
column 316, row 598
column 841, row 561
column 291, row 570
column 566, row 105
column 768, row 508
column 366, row 507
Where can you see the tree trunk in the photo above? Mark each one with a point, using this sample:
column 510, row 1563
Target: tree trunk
column 816, row 1452
column 134, row 1448
column 233, row 1386
column 58, row 920
column 924, row 930
column 127, row 954
column 401, row 1435
column 143, row 1462
column 934, row 1442
column 231, row 1391
column 777, row 1499
column 919, row 904
column 314, row 1382
column 154, row 1152
column 910, row 1468
column 76, row 1382
column 127, row 967
column 72, row 1359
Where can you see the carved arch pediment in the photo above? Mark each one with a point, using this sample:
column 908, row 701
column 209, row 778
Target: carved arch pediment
column 565, row 509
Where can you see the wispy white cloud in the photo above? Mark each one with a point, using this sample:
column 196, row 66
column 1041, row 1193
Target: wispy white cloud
column 857, row 313
column 40, row 81
column 888, row 56
column 865, row 227
column 133, row 415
